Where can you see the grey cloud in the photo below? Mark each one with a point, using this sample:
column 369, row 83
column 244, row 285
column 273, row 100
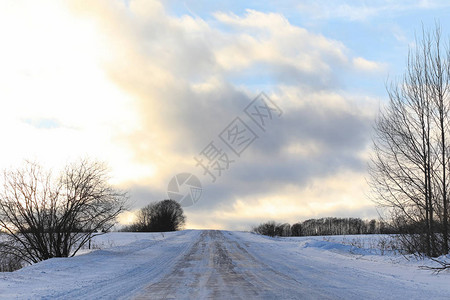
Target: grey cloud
column 264, row 167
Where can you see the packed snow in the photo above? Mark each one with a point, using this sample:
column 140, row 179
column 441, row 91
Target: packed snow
column 209, row 264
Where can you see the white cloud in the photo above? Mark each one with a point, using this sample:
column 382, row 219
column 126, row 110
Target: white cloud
column 271, row 39
column 368, row 66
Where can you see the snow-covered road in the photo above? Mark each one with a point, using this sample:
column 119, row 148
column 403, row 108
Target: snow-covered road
column 213, row 264
column 219, row 267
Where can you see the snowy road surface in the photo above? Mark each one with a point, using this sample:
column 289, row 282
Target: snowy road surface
column 213, row 264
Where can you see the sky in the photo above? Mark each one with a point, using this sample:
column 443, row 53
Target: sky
column 152, row 88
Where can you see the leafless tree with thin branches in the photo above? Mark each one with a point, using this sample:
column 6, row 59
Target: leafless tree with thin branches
column 410, row 165
column 44, row 217
column 161, row 216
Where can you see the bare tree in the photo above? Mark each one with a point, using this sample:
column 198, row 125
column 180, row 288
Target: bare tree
column 440, row 87
column 268, row 228
column 45, row 217
column 271, row 228
column 166, row 215
column 410, row 162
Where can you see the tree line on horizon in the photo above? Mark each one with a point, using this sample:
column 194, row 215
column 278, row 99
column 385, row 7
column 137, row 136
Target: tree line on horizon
column 324, row 226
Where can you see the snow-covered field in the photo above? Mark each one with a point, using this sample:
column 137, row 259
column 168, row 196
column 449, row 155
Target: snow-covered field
column 196, row 264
